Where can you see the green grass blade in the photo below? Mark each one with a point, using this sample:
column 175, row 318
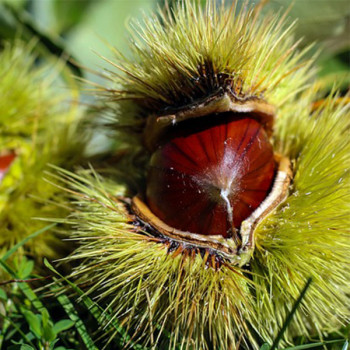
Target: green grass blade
column 18, row 329
column 24, row 241
column 313, row 345
column 98, row 313
column 291, row 314
column 54, row 45
column 73, row 315
column 25, row 288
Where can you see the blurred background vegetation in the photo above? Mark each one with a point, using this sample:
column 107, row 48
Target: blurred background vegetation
column 80, row 29
column 79, row 32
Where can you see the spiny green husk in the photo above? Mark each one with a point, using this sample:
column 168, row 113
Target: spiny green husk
column 133, row 271
column 184, row 55
column 41, row 127
column 309, row 234
column 148, row 289
column 173, row 297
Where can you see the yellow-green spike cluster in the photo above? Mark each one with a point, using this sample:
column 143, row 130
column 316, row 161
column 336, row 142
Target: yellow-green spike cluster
column 150, row 289
column 146, row 287
column 309, row 235
column 184, row 55
column 40, row 126
column 173, row 297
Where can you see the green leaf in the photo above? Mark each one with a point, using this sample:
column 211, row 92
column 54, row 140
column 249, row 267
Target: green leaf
column 327, row 22
column 265, row 347
column 3, row 294
column 7, row 28
column 47, row 331
column 26, row 268
column 18, row 4
column 67, row 14
column 335, row 69
column 34, row 322
column 62, row 325
column 45, row 318
column 99, row 314
column 26, row 347
column 27, row 291
column 346, row 345
column 104, row 22
column 26, row 337
column 52, row 344
column 54, row 45
column 21, row 347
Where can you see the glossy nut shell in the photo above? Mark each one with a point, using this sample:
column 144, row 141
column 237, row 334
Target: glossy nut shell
column 5, row 163
column 208, row 178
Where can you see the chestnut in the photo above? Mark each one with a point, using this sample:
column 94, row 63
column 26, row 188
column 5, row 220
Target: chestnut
column 210, row 175
column 5, row 163
column 213, row 176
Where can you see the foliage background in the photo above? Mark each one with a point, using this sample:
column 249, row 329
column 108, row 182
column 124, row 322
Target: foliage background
column 80, row 31
column 82, row 28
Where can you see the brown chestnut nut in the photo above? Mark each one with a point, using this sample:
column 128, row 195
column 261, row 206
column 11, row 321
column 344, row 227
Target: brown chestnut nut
column 5, row 163
column 210, row 177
